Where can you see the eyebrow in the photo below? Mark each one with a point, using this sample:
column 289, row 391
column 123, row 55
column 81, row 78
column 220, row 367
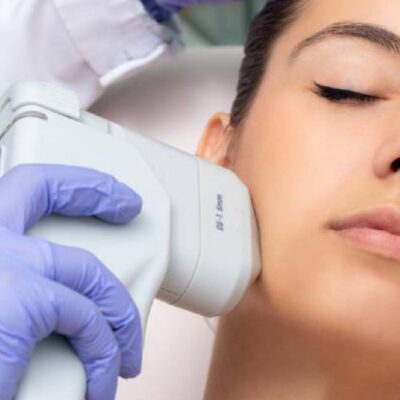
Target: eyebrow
column 375, row 34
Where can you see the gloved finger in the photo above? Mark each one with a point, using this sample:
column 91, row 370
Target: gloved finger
column 16, row 351
column 91, row 337
column 41, row 307
column 36, row 190
column 83, row 272
column 17, row 341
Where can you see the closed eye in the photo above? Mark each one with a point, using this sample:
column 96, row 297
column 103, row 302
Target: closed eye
column 342, row 96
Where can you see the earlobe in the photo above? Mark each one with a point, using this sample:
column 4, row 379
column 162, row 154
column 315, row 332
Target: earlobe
column 214, row 142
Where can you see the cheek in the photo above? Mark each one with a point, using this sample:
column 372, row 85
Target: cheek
column 301, row 174
column 292, row 173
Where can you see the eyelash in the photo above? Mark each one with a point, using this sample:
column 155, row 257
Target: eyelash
column 340, row 95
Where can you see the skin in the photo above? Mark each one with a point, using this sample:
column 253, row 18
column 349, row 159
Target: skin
column 323, row 319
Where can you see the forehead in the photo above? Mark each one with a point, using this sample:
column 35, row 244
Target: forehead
column 373, row 11
column 319, row 14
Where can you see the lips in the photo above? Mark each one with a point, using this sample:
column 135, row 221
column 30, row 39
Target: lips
column 376, row 230
column 384, row 218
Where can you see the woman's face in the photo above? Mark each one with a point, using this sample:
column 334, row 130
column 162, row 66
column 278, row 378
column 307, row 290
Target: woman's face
column 309, row 161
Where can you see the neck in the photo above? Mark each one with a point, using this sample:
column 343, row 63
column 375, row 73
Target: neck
column 256, row 356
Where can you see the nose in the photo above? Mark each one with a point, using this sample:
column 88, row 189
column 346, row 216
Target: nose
column 395, row 165
column 387, row 157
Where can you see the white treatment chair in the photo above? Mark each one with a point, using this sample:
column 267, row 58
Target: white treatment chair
column 172, row 102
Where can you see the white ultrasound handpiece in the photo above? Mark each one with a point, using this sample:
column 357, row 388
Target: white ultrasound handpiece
column 195, row 244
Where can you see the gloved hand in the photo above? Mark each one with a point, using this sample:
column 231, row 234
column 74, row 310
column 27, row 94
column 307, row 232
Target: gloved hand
column 161, row 10
column 46, row 288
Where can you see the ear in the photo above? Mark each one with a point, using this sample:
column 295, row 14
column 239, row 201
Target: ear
column 214, row 143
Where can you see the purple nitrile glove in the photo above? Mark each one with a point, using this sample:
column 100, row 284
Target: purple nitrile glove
column 48, row 288
column 176, row 5
column 161, row 10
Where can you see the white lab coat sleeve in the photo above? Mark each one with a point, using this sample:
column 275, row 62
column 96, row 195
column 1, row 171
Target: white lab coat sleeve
column 84, row 45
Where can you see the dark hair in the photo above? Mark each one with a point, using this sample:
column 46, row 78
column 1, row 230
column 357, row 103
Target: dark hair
column 267, row 26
